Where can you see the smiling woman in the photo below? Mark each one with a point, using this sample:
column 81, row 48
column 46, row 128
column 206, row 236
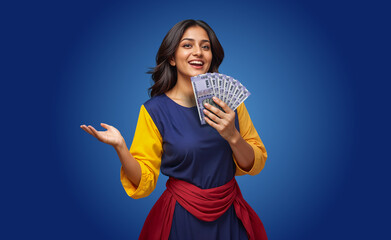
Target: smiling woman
column 182, row 39
column 194, row 49
column 192, row 57
column 203, row 199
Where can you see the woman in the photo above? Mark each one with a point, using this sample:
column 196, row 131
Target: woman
column 202, row 200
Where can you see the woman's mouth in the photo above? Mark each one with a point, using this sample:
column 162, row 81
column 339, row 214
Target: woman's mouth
column 198, row 64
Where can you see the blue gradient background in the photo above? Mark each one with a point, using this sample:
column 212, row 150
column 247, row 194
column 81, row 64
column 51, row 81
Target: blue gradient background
column 317, row 77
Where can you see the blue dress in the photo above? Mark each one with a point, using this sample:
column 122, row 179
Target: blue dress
column 191, row 152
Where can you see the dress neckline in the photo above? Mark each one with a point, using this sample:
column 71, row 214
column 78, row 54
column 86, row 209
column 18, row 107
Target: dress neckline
column 164, row 94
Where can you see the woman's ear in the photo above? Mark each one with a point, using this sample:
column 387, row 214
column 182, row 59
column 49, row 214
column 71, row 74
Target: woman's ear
column 172, row 62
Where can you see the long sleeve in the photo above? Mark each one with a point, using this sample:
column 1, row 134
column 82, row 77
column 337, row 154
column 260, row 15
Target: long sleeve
column 250, row 135
column 146, row 148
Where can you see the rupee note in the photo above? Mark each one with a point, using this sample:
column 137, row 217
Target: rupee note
column 203, row 93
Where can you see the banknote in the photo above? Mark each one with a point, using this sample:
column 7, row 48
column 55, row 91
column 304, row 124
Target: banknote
column 231, row 90
column 224, row 87
column 243, row 95
column 203, row 93
column 227, row 82
column 213, row 80
column 220, row 81
column 235, row 96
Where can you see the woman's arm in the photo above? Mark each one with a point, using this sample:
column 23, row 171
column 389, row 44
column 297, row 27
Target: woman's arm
column 244, row 153
column 141, row 163
column 130, row 165
column 114, row 138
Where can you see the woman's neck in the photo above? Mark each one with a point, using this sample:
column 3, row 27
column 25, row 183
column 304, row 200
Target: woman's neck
column 182, row 93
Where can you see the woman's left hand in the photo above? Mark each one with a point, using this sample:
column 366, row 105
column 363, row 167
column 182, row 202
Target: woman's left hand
column 223, row 122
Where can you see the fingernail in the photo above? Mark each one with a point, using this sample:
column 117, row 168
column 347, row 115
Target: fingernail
column 215, row 98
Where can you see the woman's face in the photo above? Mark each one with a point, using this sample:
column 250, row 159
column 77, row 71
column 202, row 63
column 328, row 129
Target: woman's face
column 193, row 55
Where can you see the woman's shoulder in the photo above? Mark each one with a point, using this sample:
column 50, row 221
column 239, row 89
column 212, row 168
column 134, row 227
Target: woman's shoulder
column 156, row 107
column 155, row 103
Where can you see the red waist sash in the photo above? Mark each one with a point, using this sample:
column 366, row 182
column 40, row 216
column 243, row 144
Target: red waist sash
column 205, row 204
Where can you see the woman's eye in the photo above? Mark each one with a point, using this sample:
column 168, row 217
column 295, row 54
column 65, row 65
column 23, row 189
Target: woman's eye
column 206, row 47
column 187, row 45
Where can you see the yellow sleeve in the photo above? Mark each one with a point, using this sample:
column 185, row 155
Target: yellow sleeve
column 248, row 133
column 147, row 150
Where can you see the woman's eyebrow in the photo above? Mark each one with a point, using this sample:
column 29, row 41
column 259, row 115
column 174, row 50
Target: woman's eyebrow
column 191, row 39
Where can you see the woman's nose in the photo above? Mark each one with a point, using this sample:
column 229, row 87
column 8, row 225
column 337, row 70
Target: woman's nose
column 197, row 51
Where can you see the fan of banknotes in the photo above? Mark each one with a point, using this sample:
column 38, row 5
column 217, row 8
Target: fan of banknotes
column 226, row 88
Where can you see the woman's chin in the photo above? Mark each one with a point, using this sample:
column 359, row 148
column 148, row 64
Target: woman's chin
column 198, row 72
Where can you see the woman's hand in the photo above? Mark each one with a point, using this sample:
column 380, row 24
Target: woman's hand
column 223, row 122
column 112, row 136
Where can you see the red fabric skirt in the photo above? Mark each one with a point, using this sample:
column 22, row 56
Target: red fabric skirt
column 204, row 204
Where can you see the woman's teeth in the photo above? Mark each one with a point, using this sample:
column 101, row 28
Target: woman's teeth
column 196, row 63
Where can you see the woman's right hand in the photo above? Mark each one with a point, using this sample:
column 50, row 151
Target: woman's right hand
column 112, row 136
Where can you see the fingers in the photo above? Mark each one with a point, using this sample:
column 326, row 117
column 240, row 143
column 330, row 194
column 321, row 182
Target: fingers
column 215, row 110
column 222, row 119
column 212, row 116
column 222, row 104
column 106, row 126
column 95, row 133
column 210, row 122
column 91, row 130
column 86, row 129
